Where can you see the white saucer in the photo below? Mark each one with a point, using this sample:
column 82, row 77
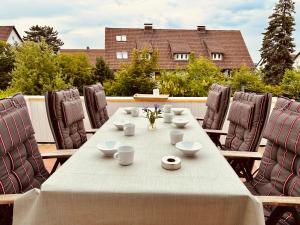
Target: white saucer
column 178, row 111
column 108, row 148
column 188, row 148
column 180, row 122
column 120, row 123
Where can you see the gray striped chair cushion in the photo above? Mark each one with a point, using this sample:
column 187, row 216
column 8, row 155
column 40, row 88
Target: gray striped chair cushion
column 241, row 136
column 217, row 106
column 65, row 115
column 279, row 173
column 21, row 165
column 95, row 102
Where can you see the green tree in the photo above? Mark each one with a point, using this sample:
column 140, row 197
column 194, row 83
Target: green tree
column 278, row 43
column 291, row 83
column 76, row 70
column 102, row 71
column 36, row 69
column 38, row 33
column 201, row 74
column 174, row 83
column 135, row 77
column 244, row 79
column 7, row 59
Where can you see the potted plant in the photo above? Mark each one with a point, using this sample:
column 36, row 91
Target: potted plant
column 152, row 115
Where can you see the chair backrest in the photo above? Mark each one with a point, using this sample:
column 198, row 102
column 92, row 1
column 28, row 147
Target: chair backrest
column 65, row 115
column 248, row 115
column 95, row 102
column 278, row 173
column 217, row 106
column 21, row 165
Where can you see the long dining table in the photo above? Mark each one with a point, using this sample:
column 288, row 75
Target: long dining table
column 93, row 189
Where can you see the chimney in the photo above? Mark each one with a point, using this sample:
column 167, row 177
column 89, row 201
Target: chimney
column 87, row 48
column 201, row 29
column 148, row 26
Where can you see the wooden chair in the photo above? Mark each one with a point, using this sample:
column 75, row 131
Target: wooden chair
column 95, row 102
column 65, row 116
column 21, row 164
column 248, row 115
column 217, row 106
column 277, row 182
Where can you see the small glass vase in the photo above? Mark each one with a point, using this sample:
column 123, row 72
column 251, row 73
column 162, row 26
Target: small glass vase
column 151, row 126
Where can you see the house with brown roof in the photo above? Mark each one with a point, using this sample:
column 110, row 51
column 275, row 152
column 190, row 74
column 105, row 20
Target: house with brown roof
column 10, row 35
column 91, row 54
column 226, row 48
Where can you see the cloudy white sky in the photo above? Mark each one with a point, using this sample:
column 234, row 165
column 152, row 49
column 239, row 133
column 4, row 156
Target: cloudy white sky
column 81, row 23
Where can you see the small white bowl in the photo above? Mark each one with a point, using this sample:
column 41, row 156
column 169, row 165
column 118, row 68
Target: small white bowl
column 120, row 124
column 177, row 111
column 108, row 148
column 128, row 110
column 180, row 122
column 188, row 148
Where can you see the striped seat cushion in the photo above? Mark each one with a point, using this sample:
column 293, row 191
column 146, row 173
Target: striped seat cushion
column 65, row 115
column 217, row 106
column 95, row 102
column 279, row 172
column 248, row 114
column 21, row 165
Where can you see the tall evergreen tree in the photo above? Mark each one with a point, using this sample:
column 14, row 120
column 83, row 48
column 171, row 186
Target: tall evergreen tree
column 102, row 71
column 37, row 33
column 278, row 42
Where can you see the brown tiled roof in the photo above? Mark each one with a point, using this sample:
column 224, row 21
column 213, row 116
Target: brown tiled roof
column 202, row 43
column 179, row 47
column 92, row 54
column 5, row 31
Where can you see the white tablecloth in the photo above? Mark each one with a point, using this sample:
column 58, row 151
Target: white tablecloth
column 92, row 189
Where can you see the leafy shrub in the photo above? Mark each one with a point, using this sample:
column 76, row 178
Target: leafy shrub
column 7, row 59
column 135, row 77
column 36, row 69
column 173, row 83
column 76, row 70
column 102, row 71
column 291, row 83
column 244, row 78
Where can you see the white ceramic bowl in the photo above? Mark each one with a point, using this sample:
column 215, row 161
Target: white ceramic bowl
column 108, row 148
column 188, row 148
column 177, row 111
column 180, row 122
column 128, row 110
column 120, row 124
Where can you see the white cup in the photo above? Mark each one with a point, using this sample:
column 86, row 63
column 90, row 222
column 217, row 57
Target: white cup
column 129, row 129
column 156, row 92
column 167, row 108
column 176, row 136
column 125, row 155
column 168, row 117
column 135, row 112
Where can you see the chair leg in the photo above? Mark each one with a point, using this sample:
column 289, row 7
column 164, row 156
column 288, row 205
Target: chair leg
column 278, row 212
column 54, row 167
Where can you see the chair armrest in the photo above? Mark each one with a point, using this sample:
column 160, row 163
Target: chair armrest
column 241, row 155
column 199, row 118
column 9, row 198
column 286, row 201
column 218, row 132
column 58, row 154
column 91, row 131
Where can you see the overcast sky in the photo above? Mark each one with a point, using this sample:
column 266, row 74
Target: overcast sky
column 81, row 23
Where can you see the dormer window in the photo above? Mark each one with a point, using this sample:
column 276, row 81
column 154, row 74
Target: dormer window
column 121, row 38
column 122, row 55
column 217, row 56
column 181, row 56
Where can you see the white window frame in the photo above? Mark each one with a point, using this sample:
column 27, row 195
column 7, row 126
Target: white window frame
column 122, row 55
column 121, row 38
column 217, row 56
column 181, row 56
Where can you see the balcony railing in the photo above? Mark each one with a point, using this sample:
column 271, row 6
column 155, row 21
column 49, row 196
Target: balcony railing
column 38, row 114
